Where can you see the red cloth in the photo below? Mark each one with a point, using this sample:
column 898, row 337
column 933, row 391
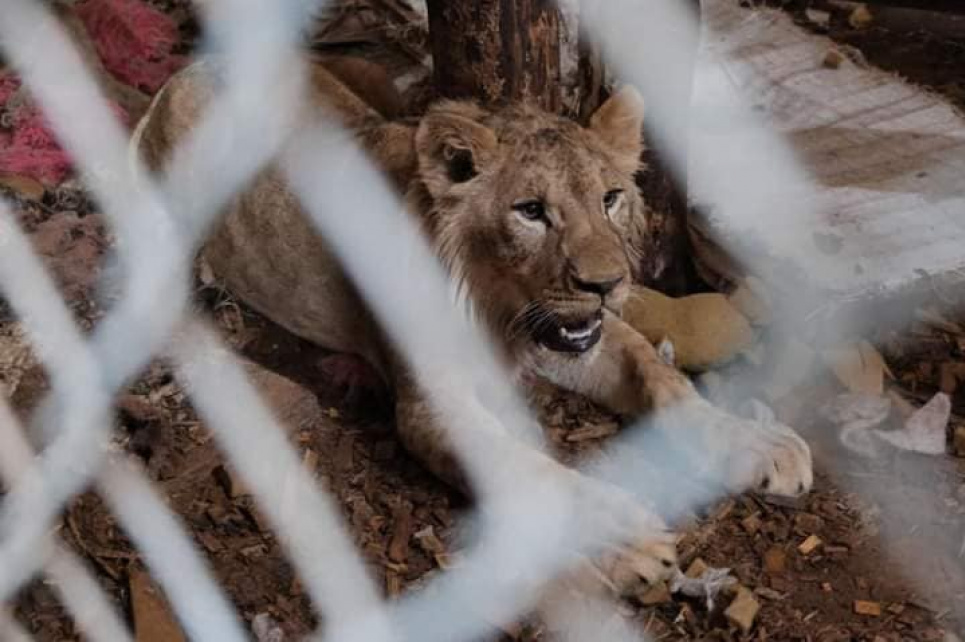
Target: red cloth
column 134, row 42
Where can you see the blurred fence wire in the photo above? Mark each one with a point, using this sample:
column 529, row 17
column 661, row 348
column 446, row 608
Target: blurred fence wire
column 525, row 525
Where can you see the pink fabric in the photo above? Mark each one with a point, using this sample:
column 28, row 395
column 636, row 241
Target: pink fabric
column 134, row 42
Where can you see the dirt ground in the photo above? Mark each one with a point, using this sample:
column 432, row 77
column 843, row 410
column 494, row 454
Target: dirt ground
column 887, row 566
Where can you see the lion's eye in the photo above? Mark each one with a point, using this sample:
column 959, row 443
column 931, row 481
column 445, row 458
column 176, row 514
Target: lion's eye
column 531, row 210
column 611, row 199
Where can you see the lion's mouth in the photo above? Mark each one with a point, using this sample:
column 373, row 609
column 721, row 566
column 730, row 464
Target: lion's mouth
column 571, row 335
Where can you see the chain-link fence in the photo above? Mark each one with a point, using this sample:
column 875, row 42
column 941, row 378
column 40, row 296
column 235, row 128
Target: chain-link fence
column 531, row 515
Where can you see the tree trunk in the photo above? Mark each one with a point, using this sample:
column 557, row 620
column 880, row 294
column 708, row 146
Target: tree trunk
column 499, row 51
column 668, row 258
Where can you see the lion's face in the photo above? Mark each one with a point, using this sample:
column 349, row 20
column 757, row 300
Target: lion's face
column 532, row 212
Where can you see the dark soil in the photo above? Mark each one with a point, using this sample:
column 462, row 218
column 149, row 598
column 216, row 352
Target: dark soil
column 891, row 529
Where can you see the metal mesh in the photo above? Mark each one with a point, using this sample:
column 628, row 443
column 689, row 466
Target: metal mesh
column 161, row 221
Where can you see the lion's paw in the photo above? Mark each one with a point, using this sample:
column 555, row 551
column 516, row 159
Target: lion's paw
column 758, row 454
column 644, row 563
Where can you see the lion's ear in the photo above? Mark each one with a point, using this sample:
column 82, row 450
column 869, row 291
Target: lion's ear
column 453, row 146
column 619, row 123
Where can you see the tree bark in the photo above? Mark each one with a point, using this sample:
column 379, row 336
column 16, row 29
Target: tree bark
column 668, row 257
column 497, row 51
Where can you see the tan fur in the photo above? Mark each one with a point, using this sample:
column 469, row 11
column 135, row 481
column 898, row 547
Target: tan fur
column 466, row 171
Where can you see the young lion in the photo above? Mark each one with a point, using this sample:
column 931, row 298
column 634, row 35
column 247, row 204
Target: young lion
column 535, row 215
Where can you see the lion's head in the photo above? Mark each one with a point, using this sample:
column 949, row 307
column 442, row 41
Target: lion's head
column 532, row 213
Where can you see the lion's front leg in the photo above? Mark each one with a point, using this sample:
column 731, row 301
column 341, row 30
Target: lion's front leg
column 582, row 512
column 626, row 374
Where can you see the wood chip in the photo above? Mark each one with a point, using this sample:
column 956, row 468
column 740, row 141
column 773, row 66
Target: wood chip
column 697, row 569
column 393, row 584
column 345, row 453
column 775, row 561
column 743, row 610
column 809, row 545
column 153, row 619
column 23, row 185
column 752, row 523
column 401, row 533
column 653, row 595
column 589, row 433
column 863, row 607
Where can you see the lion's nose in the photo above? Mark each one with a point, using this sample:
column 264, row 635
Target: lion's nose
column 597, row 285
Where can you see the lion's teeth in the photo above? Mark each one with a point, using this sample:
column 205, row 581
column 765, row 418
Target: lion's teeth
column 582, row 333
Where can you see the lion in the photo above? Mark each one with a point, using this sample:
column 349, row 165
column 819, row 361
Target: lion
column 537, row 217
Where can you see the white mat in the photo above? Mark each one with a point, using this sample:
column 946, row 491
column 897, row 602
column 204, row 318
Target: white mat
column 885, row 205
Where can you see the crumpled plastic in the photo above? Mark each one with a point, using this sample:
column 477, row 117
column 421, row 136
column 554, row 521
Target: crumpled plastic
column 925, row 431
column 708, row 586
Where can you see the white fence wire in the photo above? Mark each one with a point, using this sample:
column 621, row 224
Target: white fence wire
column 528, row 521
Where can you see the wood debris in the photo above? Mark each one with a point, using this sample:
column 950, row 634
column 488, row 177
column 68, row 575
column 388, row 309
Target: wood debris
column 153, row 619
column 809, row 545
column 24, row 185
column 654, row 595
column 743, row 610
column 592, row 432
column 864, row 607
column 775, row 561
column 861, row 17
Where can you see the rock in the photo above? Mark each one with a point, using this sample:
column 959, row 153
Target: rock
column 706, row 329
column 775, row 561
column 809, row 545
column 864, row 607
column 153, row 619
column 743, row 610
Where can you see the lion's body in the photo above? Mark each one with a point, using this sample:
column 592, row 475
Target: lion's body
column 535, row 215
